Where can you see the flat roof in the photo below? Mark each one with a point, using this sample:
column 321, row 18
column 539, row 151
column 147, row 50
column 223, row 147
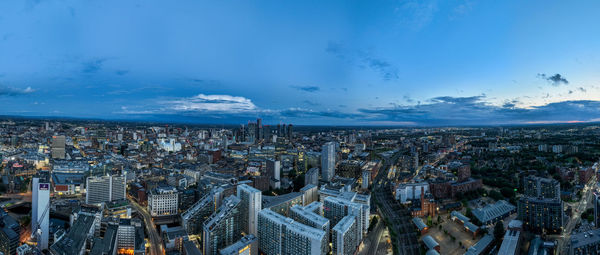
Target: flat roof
column 73, row 241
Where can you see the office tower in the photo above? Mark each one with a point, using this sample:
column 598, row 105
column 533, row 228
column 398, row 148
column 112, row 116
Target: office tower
column 281, row 235
column 343, row 236
column 223, row 227
column 290, row 131
column 312, row 176
column 251, row 133
column 250, row 206
column 278, row 129
column 541, row 214
column 58, row 147
column 274, row 172
column 247, row 245
column 193, row 218
column 336, row 208
column 40, row 211
column 541, row 187
column 283, row 131
column 163, row 201
column 259, row 129
column 102, row 189
column 328, row 161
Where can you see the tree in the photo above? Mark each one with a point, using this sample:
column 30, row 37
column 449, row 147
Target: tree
column 499, row 230
column 429, row 220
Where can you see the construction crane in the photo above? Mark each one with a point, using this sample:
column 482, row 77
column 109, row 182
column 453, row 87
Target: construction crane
column 37, row 231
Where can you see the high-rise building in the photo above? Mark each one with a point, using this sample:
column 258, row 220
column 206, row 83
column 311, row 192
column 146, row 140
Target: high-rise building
column 336, row 208
column 58, row 146
column 312, row 176
column 223, row 227
column 290, row 132
column 40, row 211
column 541, row 187
column 309, row 218
column 541, row 214
column 328, row 161
column 343, row 236
column 274, row 173
column 250, row 206
column 102, row 189
column 193, row 218
column 281, row 235
column 163, row 201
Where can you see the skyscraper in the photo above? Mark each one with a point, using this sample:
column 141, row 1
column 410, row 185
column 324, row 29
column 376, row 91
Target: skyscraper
column 274, row 172
column 40, row 211
column 328, row 161
column 251, row 204
column 108, row 188
column 223, row 227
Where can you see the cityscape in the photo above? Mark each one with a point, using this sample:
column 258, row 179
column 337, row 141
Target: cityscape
column 395, row 127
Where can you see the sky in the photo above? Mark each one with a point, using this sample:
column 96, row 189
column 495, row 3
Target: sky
column 406, row 63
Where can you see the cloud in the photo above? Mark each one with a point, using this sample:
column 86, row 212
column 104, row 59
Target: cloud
column 93, row 66
column 307, row 88
column 9, row 91
column 304, row 113
column 212, row 103
column 555, row 80
column 363, row 59
column 476, row 111
column 582, row 89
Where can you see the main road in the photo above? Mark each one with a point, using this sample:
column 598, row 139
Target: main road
column 580, row 207
column 156, row 247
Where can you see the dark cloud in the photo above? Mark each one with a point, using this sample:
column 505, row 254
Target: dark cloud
column 8, row 91
column 363, row 59
column 307, row 88
column 475, row 111
column 304, row 113
column 582, row 89
column 555, row 80
column 93, row 66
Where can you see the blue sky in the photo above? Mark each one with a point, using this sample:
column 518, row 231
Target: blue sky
column 304, row 62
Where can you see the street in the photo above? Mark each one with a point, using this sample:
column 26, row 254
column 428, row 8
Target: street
column 156, row 247
column 586, row 199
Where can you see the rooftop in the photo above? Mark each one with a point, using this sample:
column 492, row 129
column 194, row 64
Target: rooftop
column 480, row 246
column 493, row 211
